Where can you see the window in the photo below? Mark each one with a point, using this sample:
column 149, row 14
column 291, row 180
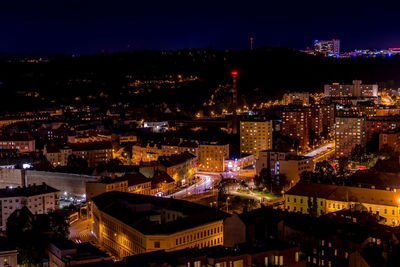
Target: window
column 156, row 244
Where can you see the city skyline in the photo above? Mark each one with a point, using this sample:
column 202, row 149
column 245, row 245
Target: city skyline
column 97, row 26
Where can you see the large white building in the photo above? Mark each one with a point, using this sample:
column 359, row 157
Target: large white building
column 357, row 89
column 327, row 47
column 39, row 199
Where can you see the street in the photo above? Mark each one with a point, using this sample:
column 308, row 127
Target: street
column 80, row 231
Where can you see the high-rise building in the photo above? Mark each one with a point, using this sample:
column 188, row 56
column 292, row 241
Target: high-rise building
column 349, row 132
column 255, row 136
column 357, row 89
column 328, row 118
column 299, row 122
column 327, row 47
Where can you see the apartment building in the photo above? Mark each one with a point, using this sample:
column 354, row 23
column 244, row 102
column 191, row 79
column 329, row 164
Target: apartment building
column 255, row 136
column 212, row 156
column 349, row 132
column 93, row 152
column 23, row 142
column 39, row 199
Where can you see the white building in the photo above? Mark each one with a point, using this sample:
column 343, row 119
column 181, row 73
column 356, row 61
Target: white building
column 39, row 199
column 357, row 89
column 327, row 47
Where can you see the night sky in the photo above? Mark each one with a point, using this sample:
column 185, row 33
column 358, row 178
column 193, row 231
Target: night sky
column 86, row 26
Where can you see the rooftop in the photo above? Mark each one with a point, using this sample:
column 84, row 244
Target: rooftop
column 132, row 210
column 346, row 193
column 31, row 190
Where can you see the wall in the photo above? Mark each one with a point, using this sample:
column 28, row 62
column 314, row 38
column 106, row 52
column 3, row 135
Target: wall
column 72, row 183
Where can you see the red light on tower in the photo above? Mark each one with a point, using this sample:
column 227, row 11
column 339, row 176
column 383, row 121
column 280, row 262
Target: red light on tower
column 234, row 73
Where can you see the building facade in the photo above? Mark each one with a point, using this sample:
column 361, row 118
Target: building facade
column 349, row 132
column 128, row 224
column 327, row 47
column 357, row 89
column 212, row 156
column 255, row 136
column 39, row 199
column 323, row 199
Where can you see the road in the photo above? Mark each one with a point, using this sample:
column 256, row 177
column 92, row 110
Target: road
column 319, row 150
column 206, row 181
column 80, row 231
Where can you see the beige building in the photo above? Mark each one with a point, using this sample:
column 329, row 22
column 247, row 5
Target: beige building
column 105, row 184
column 296, row 97
column 255, row 136
column 212, row 156
column 93, row 152
column 357, row 89
column 126, row 224
column 23, row 142
column 332, row 198
column 181, row 167
column 8, row 254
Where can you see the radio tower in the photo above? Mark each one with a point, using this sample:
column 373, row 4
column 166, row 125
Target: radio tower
column 234, row 74
column 251, row 43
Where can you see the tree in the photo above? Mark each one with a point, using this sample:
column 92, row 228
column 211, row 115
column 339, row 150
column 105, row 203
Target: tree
column 358, row 153
column 28, row 233
column 343, row 166
column 58, row 224
column 77, row 163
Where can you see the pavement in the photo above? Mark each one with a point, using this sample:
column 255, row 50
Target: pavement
column 80, row 231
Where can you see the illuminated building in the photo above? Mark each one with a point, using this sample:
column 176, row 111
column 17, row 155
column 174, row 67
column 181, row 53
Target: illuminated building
column 381, row 124
column 284, row 162
column 21, row 141
column 295, row 125
column 390, row 139
column 181, row 167
column 126, row 224
column 105, row 184
column 351, row 90
column 146, row 151
column 296, row 97
column 67, row 253
column 328, row 118
column 349, row 132
column 39, row 199
column 387, row 111
column 367, row 109
column 93, row 152
column 327, row 47
column 8, row 253
column 270, row 253
column 332, row 198
column 212, row 156
column 255, row 136
column 239, row 163
column 156, row 126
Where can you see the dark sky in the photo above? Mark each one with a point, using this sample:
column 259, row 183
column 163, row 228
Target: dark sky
column 86, row 26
